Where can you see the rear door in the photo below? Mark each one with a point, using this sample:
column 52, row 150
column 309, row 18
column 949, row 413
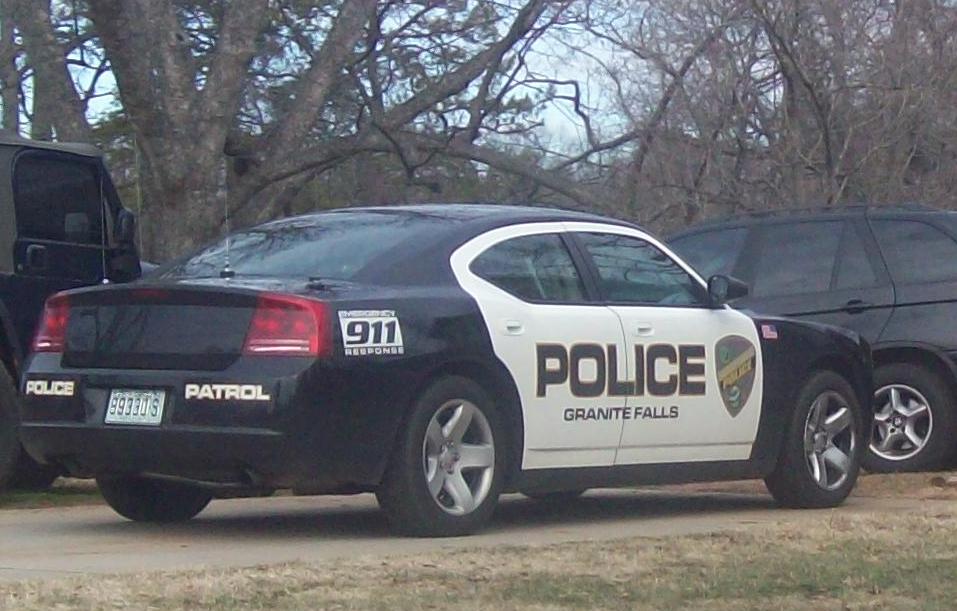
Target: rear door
column 826, row 270
column 60, row 230
column 695, row 371
column 561, row 348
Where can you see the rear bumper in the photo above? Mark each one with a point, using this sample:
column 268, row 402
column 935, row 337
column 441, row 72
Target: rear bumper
column 238, row 456
column 313, row 425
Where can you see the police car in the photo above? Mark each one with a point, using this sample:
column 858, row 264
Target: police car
column 437, row 356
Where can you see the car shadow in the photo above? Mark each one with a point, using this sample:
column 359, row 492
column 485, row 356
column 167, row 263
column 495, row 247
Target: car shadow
column 339, row 519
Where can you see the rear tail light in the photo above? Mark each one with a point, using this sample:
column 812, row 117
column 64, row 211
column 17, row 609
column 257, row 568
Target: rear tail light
column 285, row 325
column 51, row 334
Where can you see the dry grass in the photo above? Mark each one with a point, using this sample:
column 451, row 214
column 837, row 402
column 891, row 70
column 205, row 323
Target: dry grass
column 64, row 492
column 930, row 486
column 846, row 562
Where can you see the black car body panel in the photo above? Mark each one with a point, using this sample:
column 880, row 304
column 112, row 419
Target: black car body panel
column 331, row 423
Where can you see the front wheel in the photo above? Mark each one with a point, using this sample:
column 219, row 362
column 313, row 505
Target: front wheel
column 447, row 469
column 821, row 455
column 151, row 500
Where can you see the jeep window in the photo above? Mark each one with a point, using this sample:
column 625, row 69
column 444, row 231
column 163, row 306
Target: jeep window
column 711, row 252
column 916, row 252
column 57, row 199
column 631, row 270
column 796, row 258
column 533, row 268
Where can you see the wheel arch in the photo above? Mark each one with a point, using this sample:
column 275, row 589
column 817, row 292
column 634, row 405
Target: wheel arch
column 922, row 355
column 859, row 377
column 494, row 379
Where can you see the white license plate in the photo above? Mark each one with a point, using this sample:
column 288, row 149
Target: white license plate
column 136, row 407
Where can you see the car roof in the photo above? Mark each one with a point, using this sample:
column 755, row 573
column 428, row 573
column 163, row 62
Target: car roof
column 480, row 216
column 76, row 148
column 912, row 210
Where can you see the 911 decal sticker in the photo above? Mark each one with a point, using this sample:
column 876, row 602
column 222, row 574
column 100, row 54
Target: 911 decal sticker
column 371, row 332
column 735, row 363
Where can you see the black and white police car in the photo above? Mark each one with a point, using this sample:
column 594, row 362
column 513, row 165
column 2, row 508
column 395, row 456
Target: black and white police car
column 437, row 356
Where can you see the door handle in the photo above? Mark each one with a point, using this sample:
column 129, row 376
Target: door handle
column 644, row 329
column 514, row 327
column 856, row 306
column 36, row 257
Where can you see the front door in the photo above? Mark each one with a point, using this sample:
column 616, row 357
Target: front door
column 694, row 371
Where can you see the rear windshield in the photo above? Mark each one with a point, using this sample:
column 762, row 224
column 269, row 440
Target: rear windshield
column 336, row 246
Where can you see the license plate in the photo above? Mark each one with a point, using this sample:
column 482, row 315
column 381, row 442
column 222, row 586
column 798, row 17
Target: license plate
column 143, row 407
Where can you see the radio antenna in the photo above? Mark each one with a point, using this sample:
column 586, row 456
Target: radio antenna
column 104, row 208
column 227, row 272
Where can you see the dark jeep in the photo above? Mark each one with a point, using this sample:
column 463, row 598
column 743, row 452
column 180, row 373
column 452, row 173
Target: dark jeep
column 61, row 226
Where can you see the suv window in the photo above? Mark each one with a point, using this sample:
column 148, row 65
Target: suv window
column 58, row 200
column 533, row 268
column 796, row 258
column 854, row 269
column 631, row 270
column 915, row 251
column 711, row 252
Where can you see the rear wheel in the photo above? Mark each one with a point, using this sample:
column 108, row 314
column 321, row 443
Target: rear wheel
column 9, row 419
column 149, row 500
column 821, row 455
column 446, row 472
column 915, row 420
column 28, row 474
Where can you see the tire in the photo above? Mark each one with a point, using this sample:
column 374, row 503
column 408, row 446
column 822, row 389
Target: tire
column 30, row 475
column 9, row 427
column 819, row 462
column 149, row 500
column 558, row 496
column 911, row 441
column 430, row 448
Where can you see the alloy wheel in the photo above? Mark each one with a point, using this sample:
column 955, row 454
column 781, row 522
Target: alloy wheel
column 903, row 422
column 829, row 442
column 458, row 457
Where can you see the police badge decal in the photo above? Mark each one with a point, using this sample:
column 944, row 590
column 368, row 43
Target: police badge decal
column 735, row 359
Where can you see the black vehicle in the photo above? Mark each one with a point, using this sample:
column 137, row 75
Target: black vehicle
column 61, row 226
column 437, row 356
column 889, row 274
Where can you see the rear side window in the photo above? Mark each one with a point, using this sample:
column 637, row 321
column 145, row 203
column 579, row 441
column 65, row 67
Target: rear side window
column 916, row 252
column 796, row 258
column 533, row 268
column 57, row 199
column 711, row 252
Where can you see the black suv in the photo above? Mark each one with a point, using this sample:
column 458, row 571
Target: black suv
column 61, row 226
column 888, row 273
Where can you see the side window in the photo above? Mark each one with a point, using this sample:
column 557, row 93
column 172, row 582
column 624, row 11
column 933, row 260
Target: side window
column 916, row 252
column 854, row 268
column 711, row 252
column 796, row 258
column 631, row 270
column 57, row 199
column 533, row 268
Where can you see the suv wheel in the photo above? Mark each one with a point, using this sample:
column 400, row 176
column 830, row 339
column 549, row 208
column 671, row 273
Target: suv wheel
column 914, row 420
column 447, row 469
column 821, row 455
column 150, row 500
column 9, row 422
